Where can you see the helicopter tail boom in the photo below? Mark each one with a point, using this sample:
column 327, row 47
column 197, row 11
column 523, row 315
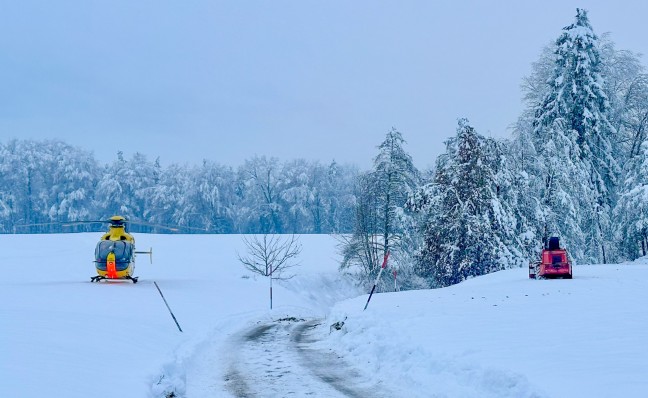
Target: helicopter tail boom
column 150, row 253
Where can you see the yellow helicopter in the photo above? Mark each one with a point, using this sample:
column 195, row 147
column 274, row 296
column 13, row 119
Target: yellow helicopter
column 115, row 253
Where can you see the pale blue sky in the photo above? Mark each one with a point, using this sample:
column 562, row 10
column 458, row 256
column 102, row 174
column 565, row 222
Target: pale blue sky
column 292, row 79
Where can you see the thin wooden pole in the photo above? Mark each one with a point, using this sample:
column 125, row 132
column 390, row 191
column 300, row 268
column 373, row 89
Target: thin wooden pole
column 167, row 305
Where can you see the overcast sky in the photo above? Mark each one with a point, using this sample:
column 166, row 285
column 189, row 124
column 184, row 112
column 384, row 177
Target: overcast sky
column 321, row 80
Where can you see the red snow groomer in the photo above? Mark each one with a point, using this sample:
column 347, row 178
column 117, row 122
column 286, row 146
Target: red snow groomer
column 554, row 262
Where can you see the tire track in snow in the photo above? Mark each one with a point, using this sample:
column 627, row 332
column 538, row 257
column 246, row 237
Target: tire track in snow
column 278, row 359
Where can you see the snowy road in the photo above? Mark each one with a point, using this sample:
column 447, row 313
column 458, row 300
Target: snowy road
column 277, row 359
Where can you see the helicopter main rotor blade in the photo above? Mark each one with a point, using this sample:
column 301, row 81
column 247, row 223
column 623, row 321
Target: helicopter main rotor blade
column 62, row 223
column 71, row 223
column 81, row 222
column 170, row 228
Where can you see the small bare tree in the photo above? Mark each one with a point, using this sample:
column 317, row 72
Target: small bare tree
column 271, row 255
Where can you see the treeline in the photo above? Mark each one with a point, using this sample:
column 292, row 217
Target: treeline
column 44, row 184
column 576, row 167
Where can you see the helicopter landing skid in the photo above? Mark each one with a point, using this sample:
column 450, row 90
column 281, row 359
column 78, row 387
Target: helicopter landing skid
column 101, row 277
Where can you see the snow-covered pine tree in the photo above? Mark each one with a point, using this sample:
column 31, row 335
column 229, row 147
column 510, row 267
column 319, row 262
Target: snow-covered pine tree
column 382, row 221
column 394, row 179
column 524, row 167
column 512, row 221
column 469, row 230
column 572, row 136
column 627, row 87
column 631, row 212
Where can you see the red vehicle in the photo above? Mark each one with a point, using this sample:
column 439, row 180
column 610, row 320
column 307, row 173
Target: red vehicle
column 554, row 262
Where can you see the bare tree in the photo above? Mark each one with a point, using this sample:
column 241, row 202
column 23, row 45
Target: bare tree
column 271, row 255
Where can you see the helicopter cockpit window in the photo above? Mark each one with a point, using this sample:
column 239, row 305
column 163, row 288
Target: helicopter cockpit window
column 123, row 250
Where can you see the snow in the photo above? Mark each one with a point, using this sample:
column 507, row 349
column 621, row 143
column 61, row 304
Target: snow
column 500, row 335
column 503, row 335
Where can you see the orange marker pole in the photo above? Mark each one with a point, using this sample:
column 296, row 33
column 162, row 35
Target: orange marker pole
column 382, row 268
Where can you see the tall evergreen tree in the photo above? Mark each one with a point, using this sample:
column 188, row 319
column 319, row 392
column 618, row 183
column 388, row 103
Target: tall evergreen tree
column 572, row 136
column 393, row 181
column 627, row 87
column 469, row 230
column 382, row 220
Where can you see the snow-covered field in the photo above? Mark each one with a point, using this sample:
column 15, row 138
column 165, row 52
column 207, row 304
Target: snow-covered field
column 501, row 335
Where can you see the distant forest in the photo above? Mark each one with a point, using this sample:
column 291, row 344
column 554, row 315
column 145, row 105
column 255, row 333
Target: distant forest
column 575, row 167
column 50, row 181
